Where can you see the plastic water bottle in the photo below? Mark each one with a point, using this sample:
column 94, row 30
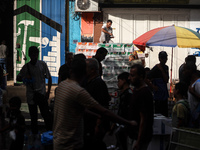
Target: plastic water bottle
column 1, row 97
column 30, row 142
column 25, row 142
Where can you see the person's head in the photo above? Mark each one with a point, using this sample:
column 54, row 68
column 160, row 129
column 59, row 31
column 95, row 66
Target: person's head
column 3, row 42
column 33, row 54
column 197, row 73
column 162, row 57
column 131, row 58
column 135, row 54
column 190, row 58
column 15, row 103
column 92, row 67
column 137, row 74
column 79, row 56
column 109, row 23
column 101, row 54
column 123, row 80
column 147, row 69
column 78, row 69
column 180, row 90
column 189, row 69
column 69, row 57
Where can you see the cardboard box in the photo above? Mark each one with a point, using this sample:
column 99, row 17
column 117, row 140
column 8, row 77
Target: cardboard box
column 159, row 142
column 162, row 125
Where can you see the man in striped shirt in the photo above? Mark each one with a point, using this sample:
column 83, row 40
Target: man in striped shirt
column 70, row 103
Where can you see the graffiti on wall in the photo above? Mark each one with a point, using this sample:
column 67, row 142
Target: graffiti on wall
column 53, row 57
column 36, row 29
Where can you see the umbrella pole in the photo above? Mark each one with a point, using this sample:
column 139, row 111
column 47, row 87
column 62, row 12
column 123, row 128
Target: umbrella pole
column 171, row 86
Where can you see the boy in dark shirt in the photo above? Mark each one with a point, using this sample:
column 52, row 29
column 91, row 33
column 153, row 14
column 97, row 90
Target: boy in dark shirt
column 181, row 110
column 125, row 96
column 126, row 93
column 16, row 124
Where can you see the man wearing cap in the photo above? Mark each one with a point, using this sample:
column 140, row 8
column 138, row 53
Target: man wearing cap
column 158, row 79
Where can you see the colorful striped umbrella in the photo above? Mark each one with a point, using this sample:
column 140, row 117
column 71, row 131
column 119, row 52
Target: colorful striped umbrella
column 169, row 36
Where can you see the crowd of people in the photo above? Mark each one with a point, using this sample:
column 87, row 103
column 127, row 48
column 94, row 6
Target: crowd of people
column 81, row 116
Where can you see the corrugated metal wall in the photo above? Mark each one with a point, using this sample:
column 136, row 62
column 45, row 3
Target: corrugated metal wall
column 53, row 48
column 74, row 27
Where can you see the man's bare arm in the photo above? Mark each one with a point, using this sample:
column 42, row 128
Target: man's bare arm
column 106, row 32
column 115, row 118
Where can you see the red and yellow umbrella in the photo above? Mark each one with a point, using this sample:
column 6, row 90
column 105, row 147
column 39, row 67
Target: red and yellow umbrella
column 169, row 36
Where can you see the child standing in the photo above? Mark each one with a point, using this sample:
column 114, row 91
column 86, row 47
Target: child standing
column 125, row 96
column 181, row 110
column 16, row 124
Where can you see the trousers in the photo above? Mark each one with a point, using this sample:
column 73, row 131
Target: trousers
column 3, row 63
column 44, row 110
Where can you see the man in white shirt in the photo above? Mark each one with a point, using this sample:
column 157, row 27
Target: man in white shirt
column 192, row 74
column 106, row 33
column 3, row 53
column 33, row 75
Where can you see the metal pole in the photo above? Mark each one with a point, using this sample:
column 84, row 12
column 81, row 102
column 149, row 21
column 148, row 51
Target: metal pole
column 171, row 73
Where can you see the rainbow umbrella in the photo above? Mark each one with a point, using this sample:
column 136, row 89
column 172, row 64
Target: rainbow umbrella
column 169, row 36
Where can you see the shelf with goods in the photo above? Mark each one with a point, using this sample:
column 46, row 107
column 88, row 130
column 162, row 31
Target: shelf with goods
column 115, row 62
column 87, row 48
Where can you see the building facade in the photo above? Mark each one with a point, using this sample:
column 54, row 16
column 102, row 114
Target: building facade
column 55, row 27
column 132, row 18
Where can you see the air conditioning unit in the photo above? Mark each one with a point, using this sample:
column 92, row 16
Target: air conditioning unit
column 86, row 6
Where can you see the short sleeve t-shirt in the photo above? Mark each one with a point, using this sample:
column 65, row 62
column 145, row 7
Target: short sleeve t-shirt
column 17, row 122
column 124, row 103
column 99, row 91
column 3, row 49
column 39, row 72
column 70, row 103
column 105, row 37
column 157, row 79
column 193, row 101
column 180, row 111
column 142, row 102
